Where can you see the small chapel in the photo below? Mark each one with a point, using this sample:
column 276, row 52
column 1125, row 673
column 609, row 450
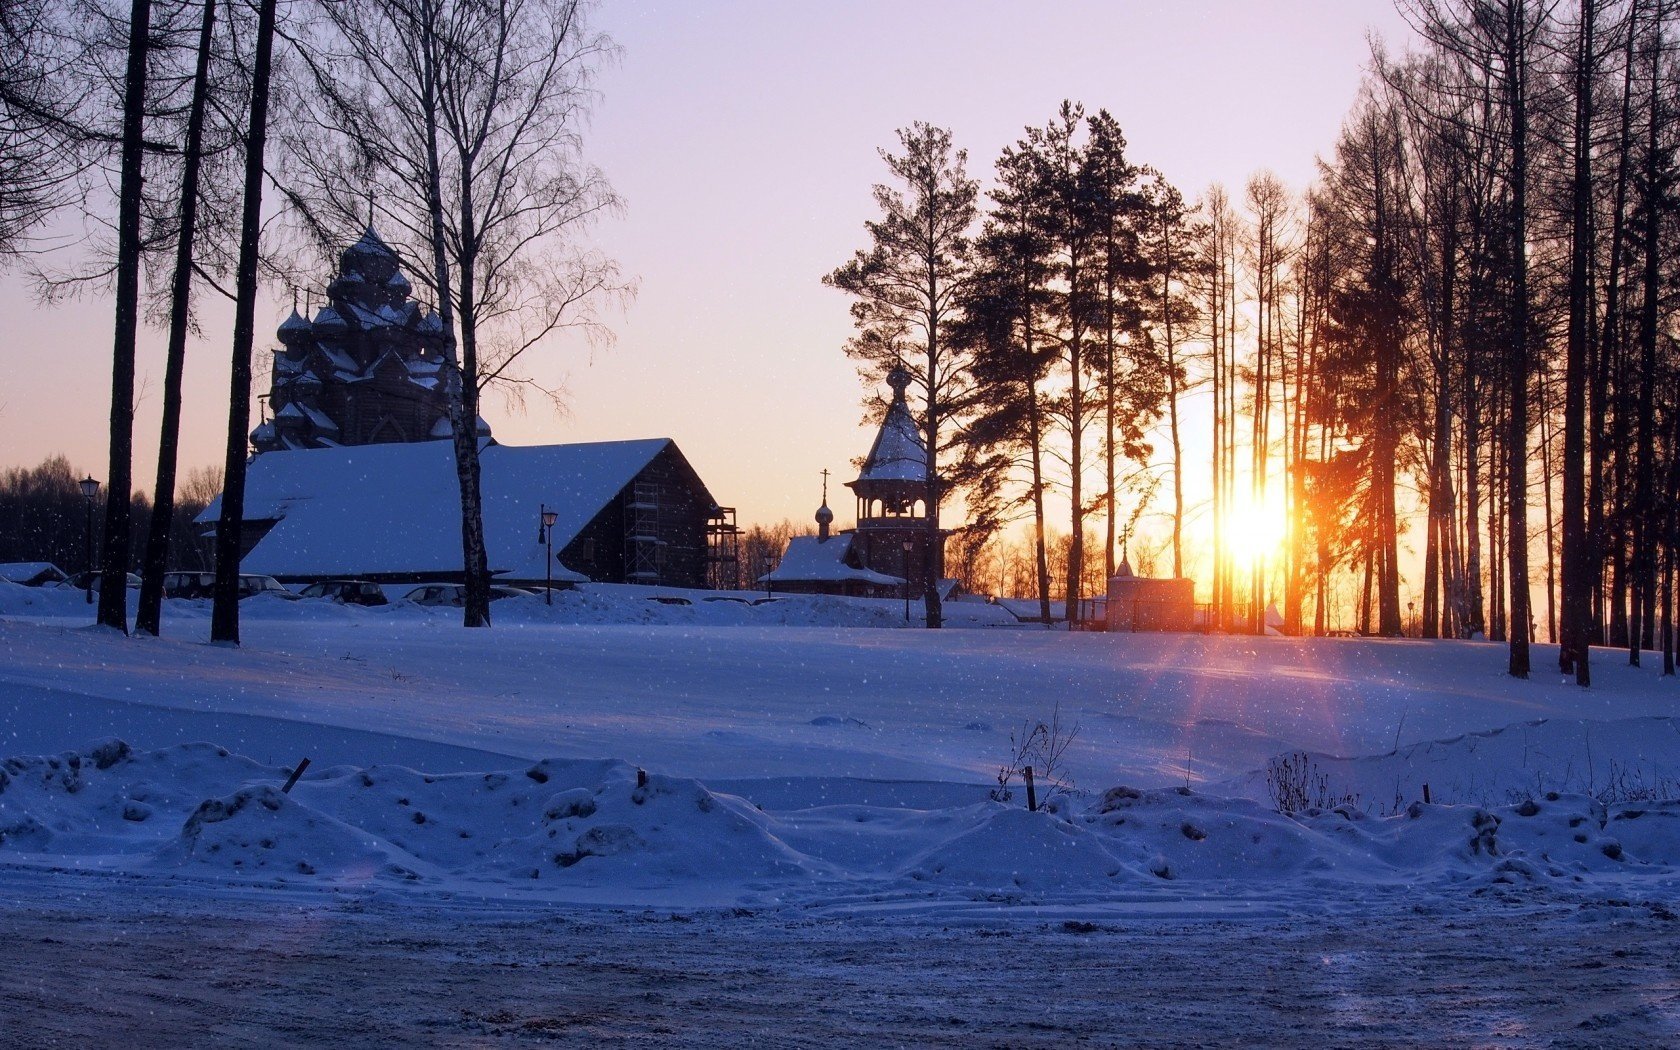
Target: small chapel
column 885, row 555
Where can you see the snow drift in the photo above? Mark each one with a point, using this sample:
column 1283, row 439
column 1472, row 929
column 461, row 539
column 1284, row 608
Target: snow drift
column 562, row 828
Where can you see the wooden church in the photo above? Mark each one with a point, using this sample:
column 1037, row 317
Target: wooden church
column 354, row 472
column 371, row 367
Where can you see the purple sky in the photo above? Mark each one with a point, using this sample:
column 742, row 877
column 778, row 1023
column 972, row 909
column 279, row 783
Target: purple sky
column 743, row 136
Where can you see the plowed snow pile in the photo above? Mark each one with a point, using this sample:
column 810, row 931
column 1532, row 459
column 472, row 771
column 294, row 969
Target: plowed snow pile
column 560, row 827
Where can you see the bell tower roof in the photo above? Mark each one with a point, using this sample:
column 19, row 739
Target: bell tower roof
column 898, row 458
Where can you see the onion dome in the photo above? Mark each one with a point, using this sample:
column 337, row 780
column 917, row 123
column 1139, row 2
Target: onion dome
column 329, row 323
column 293, row 330
column 368, row 248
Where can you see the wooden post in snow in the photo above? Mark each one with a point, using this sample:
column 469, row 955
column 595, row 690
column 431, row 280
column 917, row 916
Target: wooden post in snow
column 293, row 779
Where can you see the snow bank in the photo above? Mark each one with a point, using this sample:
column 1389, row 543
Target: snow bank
column 199, row 808
column 593, row 603
column 1630, row 759
column 558, row 829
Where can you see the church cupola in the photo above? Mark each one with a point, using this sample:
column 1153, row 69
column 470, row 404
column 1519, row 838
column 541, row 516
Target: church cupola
column 825, row 517
column 293, row 330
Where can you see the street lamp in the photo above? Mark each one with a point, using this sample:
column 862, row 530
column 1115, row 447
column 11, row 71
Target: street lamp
column 906, row 581
column 90, row 491
column 545, row 532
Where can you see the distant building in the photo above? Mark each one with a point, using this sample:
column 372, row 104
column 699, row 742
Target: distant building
column 885, row 555
column 1141, row 603
column 355, row 476
column 626, row 512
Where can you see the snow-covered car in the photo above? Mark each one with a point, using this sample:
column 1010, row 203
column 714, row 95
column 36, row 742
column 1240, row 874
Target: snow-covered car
column 348, row 592
column 83, row 580
column 455, row 594
column 203, row 585
column 251, row 585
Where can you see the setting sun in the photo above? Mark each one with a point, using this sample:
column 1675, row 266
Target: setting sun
column 1253, row 534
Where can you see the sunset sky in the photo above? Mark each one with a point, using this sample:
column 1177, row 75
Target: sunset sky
column 743, row 136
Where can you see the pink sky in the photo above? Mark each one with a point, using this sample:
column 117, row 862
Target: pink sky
column 743, row 136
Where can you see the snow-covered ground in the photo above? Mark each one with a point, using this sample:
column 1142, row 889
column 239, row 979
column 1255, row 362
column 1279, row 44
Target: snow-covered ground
column 764, row 772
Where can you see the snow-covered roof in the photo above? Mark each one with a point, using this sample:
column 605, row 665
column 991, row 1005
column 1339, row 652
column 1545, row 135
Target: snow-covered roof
column 898, row 453
column 370, row 243
column 321, row 420
column 396, row 507
column 811, row 560
column 29, row 571
column 294, row 323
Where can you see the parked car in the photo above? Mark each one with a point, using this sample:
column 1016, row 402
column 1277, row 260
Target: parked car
column 203, row 585
column 347, row 592
column 188, row 584
column 82, row 580
column 251, row 585
column 455, row 594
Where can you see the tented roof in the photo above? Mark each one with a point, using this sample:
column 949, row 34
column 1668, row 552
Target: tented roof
column 898, row 453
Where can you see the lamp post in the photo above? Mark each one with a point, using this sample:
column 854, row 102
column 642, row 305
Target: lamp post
column 545, row 532
column 906, row 546
column 90, row 491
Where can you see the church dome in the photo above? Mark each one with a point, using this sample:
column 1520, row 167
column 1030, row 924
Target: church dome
column 824, row 515
column 293, row 329
column 370, row 245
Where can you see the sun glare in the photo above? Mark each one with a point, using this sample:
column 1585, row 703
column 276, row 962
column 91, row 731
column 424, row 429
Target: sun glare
column 1255, row 534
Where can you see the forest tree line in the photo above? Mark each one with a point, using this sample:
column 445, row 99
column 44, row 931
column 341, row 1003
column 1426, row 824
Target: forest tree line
column 1475, row 302
column 44, row 517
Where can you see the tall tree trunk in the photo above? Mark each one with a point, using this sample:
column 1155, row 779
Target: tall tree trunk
column 1436, row 565
column 1609, row 442
column 1177, row 447
column 1645, row 514
column 148, row 620
column 476, row 561
column 1516, row 447
column 1476, row 616
column 224, row 612
column 1577, row 554
column 933, row 546
column 1386, row 429
column 113, row 575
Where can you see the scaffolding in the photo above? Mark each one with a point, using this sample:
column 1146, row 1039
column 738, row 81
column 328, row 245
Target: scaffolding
column 723, row 550
column 642, row 542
